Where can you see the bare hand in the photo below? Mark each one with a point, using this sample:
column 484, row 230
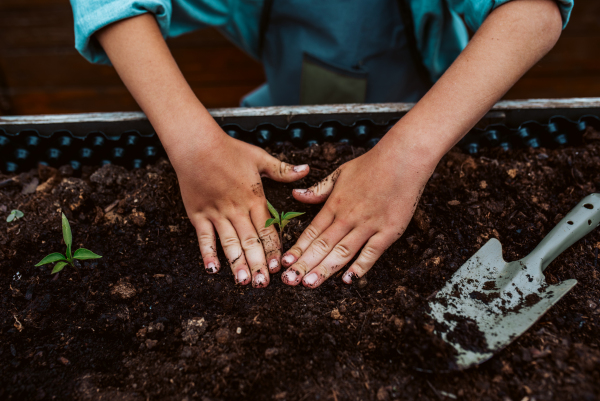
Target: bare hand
column 221, row 189
column 369, row 202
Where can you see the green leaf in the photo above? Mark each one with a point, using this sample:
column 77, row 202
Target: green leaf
column 273, row 211
column 269, row 222
column 66, row 229
column 53, row 257
column 10, row 217
column 18, row 214
column 84, row 254
column 291, row 215
column 58, row 267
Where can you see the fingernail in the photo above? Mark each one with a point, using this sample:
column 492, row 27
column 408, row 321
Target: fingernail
column 288, row 259
column 347, row 278
column 242, row 276
column 289, row 277
column 311, row 278
column 259, row 280
column 273, row 264
column 301, row 191
column 301, row 168
column 211, row 267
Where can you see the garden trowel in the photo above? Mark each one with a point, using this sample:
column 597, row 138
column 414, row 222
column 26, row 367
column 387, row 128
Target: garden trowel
column 488, row 303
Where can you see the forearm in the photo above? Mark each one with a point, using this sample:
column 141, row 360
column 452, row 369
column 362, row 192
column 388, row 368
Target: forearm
column 510, row 41
column 142, row 59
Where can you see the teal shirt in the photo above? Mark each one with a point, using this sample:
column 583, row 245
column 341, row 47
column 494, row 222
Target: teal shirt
column 439, row 30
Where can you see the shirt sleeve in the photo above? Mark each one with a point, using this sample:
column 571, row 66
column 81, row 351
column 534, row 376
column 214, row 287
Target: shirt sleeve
column 91, row 15
column 476, row 11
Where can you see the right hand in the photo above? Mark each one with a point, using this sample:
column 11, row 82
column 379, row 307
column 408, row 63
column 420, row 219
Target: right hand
column 221, row 189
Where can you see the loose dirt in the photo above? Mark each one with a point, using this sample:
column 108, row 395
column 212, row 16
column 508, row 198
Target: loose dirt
column 147, row 322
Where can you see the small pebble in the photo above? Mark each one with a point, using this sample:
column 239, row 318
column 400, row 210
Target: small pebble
column 239, row 330
column 63, row 360
column 335, row 314
column 222, row 336
column 362, row 282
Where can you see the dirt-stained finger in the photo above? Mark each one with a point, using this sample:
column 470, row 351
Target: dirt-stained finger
column 208, row 245
column 269, row 237
column 233, row 251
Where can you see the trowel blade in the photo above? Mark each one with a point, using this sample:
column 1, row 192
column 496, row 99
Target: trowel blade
column 494, row 301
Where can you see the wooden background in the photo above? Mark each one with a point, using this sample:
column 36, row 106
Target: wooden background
column 42, row 73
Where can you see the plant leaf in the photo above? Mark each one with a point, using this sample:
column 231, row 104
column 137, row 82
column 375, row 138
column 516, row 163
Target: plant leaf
column 269, row 222
column 291, row 215
column 58, row 267
column 283, row 224
column 10, row 217
column 84, row 254
column 53, row 257
column 18, row 214
column 66, row 229
column 273, row 211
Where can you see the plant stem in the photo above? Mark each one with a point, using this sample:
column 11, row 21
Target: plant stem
column 76, row 269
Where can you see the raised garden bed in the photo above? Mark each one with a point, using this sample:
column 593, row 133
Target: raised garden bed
column 146, row 321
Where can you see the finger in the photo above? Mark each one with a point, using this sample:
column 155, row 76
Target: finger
column 233, row 251
column 319, row 192
column 268, row 237
column 315, row 253
column 339, row 256
column 208, row 246
column 319, row 224
column 280, row 171
column 372, row 251
column 253, row 249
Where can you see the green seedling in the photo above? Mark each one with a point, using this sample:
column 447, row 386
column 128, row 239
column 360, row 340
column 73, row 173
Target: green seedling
column 281, row 221
column 14, row 215
column 62, row 260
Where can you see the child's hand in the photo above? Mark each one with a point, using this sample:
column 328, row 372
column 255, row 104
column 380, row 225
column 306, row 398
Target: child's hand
column 369, row 203
column 222, row 190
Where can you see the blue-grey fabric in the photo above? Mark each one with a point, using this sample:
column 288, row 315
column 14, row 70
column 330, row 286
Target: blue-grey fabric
column 439, row 30
column 352, row 37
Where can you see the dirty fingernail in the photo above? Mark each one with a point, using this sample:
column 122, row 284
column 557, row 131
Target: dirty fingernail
column 301, row 168
column 347, row 278
column 289, row 277
column 211, row 268
column 242, row 276
column 273, row 264
column 311, row 278
column 301, row 191
column 288, row 259
column 259, row 280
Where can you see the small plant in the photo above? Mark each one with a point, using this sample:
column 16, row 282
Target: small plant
column 281, row 221
column 63, row 260
column 14, row 215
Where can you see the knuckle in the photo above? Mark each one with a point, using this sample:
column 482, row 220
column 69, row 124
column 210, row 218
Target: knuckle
column 300, row 265
column 283, row 168
column 206, row 238
column 342, row 251
column 296, row 251
column 266, row 232
column 311, row 232
column 370, row 252
column 229, row 242
column 320, row 245
column 250, row 242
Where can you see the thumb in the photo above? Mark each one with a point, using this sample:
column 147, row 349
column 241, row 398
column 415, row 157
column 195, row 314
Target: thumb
column 280, row 171
column 319, row 192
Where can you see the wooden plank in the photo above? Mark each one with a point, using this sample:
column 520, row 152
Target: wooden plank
column 333, row 109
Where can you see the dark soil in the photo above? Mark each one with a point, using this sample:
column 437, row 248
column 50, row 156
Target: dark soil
column 147, row 322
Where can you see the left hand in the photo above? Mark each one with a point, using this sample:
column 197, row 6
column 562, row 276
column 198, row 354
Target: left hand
column 369, row 202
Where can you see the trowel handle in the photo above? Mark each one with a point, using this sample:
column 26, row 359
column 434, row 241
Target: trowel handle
column 575, row 225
